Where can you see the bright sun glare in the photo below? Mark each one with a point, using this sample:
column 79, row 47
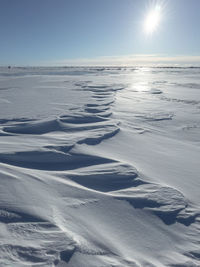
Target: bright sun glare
column 152, row 20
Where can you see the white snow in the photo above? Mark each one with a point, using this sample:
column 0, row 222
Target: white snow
column 100, row 167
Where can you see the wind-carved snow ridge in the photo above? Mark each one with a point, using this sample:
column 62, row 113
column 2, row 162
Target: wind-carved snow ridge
column 89, row 125
column 64, row 202
column 94, row 116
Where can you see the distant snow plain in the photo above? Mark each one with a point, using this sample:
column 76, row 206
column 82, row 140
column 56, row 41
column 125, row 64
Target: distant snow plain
column 100, row 167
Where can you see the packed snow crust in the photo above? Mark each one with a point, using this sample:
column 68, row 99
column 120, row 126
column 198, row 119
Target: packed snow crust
column 100, row 167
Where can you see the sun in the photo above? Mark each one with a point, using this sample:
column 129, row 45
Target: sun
column 152, row 20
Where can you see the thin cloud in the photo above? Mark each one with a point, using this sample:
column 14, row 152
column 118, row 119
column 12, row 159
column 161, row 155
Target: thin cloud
column 127, row 60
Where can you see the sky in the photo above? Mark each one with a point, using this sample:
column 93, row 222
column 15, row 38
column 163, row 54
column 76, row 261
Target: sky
column 76, row 32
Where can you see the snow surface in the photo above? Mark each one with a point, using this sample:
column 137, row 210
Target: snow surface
column 100, row 167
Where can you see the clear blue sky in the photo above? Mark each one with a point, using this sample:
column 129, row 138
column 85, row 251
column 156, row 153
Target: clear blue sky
column 35, row 31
